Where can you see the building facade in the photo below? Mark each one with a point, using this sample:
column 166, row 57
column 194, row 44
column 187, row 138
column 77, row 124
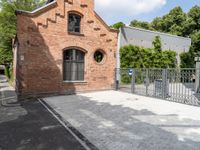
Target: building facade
column 63, row 47
column 144, row 38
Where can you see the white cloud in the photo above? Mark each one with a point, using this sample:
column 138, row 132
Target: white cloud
column 126, row 7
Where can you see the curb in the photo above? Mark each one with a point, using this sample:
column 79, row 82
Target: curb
column 76, row 134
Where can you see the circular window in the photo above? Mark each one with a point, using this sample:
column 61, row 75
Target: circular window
column 98, row 56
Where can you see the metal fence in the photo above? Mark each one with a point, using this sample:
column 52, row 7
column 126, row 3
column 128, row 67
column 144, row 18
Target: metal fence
column 178, row 85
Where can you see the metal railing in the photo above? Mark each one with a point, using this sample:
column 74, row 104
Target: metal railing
column 178, row 85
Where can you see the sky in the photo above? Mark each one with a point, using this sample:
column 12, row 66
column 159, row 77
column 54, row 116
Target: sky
column 113, row 11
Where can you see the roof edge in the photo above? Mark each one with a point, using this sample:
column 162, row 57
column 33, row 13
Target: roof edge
column 38, row 10
column 105, row 24
column 54, row 4
column 157, row 32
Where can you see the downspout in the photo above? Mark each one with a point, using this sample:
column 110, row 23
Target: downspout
column 17, row 68
column 118, row 56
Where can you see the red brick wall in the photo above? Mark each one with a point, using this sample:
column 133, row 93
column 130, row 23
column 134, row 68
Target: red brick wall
column 43, row 36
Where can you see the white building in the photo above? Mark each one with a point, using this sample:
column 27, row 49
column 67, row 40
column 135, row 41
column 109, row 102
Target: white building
column 144, row 38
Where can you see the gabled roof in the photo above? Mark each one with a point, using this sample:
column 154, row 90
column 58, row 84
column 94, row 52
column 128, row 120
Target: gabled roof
column 52, row 4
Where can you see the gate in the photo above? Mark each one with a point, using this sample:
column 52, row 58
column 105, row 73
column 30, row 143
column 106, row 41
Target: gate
column 178, row 85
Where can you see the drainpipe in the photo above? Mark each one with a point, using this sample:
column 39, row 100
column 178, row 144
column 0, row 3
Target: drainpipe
column 118, row 48
column 16, row 67
column 118, row 57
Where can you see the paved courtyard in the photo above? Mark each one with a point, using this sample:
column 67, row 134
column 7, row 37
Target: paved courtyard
column 114, row 120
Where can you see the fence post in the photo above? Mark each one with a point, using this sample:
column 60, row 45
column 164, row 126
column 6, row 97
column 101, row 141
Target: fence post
column 116, row 79
column 147, row 81
column 164, row 83
column 133, row 82
column 197, row 76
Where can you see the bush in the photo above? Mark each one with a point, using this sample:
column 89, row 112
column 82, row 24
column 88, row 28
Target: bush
column 187, row 60
column 139, row 57
column 126, row 78
column 7, row 72
column 11, row 75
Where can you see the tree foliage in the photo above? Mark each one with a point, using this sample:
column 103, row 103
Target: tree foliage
column 170, row 23
column 195, row 43
column 194, row 19
column 139, row 57
column 173, row 21
column 141, row 24
column 187, row 60
column 117, row 25
column 178, row 23
column 157, row 44
column 8, row 24
column 5, row 56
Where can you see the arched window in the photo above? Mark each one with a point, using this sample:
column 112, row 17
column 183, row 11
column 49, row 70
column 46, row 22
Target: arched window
column 74, row 23
column 73, row 65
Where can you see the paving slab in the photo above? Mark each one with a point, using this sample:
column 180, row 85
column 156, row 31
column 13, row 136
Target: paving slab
column 114, row 120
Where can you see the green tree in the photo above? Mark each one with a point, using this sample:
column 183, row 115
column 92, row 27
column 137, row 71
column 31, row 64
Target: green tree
column 195, row 43
column 8, row 24
column 117, row 25
column 157, row 24
column 192, row 24
column 141, row 24
column 157, row 44
column 194, row 15
column 5, row 57
column 187, row 60
column 182, row 24
column 173, row 22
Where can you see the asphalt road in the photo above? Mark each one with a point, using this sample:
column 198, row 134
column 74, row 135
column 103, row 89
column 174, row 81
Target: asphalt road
column 28, row 125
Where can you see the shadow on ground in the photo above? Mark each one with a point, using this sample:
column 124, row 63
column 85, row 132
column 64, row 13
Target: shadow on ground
column 112, row 126
column 31, row 127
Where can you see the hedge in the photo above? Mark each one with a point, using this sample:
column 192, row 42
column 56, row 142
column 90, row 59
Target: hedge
column 139, row 57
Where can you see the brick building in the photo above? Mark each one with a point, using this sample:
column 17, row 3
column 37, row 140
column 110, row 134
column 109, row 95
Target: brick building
column 63, row 47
